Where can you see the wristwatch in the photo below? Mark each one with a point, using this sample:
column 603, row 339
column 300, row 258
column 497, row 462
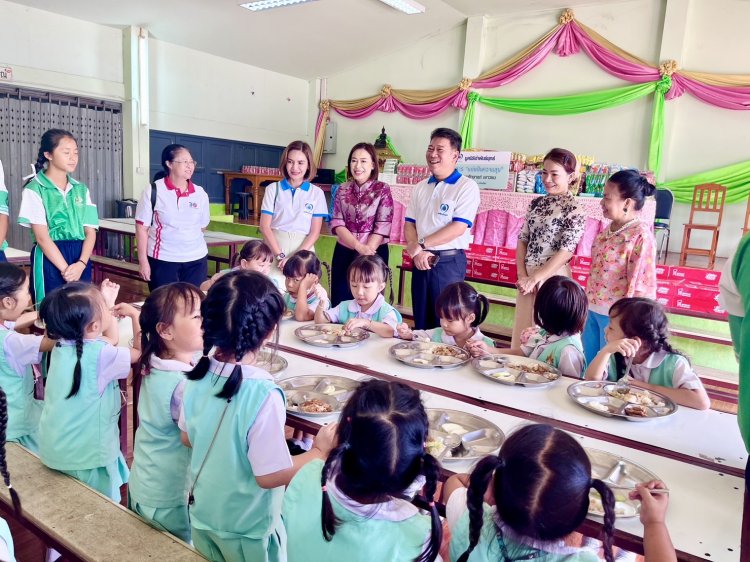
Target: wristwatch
column 421, row 243
column 280, row 256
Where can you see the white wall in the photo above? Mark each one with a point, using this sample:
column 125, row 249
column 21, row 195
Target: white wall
column 197, row 93
column 701, row 137
column 52, row 52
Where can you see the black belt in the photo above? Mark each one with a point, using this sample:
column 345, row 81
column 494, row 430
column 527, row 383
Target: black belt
column 446, row 253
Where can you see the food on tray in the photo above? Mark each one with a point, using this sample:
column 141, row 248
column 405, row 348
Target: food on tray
column 444, row 350
column 504, row 376
column 434, row 447
column 622, row 507
column 598, row 406
column 454, row 428
column 449, row 359
column 636, row 410
column 403, row 352
column 333, row 330
column 315, row 406
column 535, row 368
column 488, row 364
column 330, row 390
column 421, row 361
column 632, row 396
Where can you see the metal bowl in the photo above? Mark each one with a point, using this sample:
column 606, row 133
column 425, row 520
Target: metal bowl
column 515, row 370
column 598, row 397
column 479, row 437
column 329, row 389
column 429, row 355
column 331, row 335
column 270, row 361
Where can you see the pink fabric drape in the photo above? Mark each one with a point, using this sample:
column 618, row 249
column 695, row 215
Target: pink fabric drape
column 319, row 122
column 412, row 110
column 722, row 96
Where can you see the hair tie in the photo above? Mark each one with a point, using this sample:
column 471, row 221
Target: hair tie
column 324, row 488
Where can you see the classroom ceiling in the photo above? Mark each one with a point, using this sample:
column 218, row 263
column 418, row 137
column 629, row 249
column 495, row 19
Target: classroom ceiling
column 311, row 40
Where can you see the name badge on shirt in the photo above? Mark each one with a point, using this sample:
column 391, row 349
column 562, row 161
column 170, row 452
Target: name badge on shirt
column 193, row 205
column 308, row 208
column 446, row 208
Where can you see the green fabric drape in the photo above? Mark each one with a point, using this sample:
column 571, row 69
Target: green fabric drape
column 735, row 177
column 580, row 103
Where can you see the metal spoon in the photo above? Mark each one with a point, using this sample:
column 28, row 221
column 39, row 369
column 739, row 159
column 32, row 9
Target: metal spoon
column 452, row 443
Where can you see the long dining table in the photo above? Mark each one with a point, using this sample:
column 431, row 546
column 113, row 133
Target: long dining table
column 698, row 454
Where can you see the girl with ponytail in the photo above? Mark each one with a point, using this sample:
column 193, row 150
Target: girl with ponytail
column 623, row 256
column 6, row 540
column 357, row 505
column 78, row 429
column 638, row 331
column 61, row 216
column 233, row 417
column 539, row 487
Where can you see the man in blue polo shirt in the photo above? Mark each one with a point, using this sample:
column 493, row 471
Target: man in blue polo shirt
column 440, row 213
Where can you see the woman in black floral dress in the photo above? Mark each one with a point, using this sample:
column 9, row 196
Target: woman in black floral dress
column 554, row 226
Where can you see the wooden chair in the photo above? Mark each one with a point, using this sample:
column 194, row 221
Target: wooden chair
column 707, row 198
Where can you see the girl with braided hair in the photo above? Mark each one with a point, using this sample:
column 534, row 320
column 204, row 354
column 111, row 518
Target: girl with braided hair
column 524, row 502
column 171, row 336
column 233, row 417
column 356, row 506
column 60, row 214
column 78, row 429
column 638, row 329
column 6, row 540
column 18, row 352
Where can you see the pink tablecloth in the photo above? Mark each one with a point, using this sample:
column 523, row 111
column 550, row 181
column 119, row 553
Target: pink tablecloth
column 501, row 215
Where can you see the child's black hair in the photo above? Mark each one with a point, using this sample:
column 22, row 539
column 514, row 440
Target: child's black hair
column 392, row 415
column 50, row 139
column 302, row 262
column 542, row 479
column 644, row 319
column 632, row 185
column 161, row 307
column 240, row 312
column 66, row 312
column 370, row 269
column 561, row 306
column 12, row 278
column 458, row 300
column 3, row 462
column 253, row 250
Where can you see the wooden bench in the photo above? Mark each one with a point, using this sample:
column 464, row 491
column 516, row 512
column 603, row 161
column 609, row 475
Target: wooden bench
column 103, row 266
column 79, row 522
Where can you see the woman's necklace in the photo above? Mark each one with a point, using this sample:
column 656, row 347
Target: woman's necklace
column 623, row 227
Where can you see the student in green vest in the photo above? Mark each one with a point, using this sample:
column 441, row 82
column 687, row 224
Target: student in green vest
column 368, row 310
column 171, row 336
column 522, row 504
column 233, row 417
column 6, row 540
column 357, row 505
column 460, row 310
column 304, row 293
column 560, row 310
column 78, row 429
column 638, row 329
column 62, row 218
column 18, row 353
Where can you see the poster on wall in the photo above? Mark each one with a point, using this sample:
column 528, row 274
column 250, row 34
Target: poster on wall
column 6, row 72
column 489, row 169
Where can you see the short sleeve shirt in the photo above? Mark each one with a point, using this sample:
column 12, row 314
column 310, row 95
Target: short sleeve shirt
column 392, row 317
column 363, row 209
column 176, row 232
column 21, row 350
column 553, row 223
column 292, row 210
column 436, row 204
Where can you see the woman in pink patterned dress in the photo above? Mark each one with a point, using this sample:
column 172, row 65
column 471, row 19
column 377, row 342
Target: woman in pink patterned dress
column 362, row 216
column 623, row 256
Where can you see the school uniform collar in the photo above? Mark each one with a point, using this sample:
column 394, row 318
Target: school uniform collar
column 9, row 325
column 551, row 338
column 220, row 369
column 173, row 187
column 453, row 178
column 46, row 183
column 654, row 360
column 354, row 306
column 286, row 186
column 169, row 364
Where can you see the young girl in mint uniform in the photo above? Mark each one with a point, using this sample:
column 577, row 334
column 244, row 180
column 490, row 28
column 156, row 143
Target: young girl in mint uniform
column 368, row 310
column 170, row 337
column 233, row 417
column 78, row 429
column 357, row 505
column 560, row 310
column 62, row 218
column 19, row 353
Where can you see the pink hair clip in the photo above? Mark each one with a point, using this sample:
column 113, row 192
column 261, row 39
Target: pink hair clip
column 323, row 487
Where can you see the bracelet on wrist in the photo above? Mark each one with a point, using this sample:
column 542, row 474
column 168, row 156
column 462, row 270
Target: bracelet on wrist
column 83, row 262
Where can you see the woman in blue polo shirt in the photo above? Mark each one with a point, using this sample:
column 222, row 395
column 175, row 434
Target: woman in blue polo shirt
column 62, row 218
column 170, row 228
column 293, row 209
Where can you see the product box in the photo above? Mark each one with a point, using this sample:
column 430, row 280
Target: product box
column 662, row 271
column 482, row 250
column 667, row 288
column 666, row 301
column 469, row 266
column 483, row 267
column 582, row 262
column 506, row 253
column 703, row 306
column 581, row 276
column 695, row 275
column 406, row 259
column 691, row 291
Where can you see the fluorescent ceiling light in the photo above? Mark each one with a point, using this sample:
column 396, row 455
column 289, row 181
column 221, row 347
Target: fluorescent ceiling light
column 407, row 6
column 267, row 4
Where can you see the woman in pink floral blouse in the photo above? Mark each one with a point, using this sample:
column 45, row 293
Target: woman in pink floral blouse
column 362, row 216
column 623, row 257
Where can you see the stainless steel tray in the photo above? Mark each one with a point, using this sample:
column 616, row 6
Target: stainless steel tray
column 598, row 397
column 287, row 315
column 479, row 436
column 273, row 363
column 330, row 335
column 429, row 355
column 515, row 370
column 328, row 389
column 621, row 475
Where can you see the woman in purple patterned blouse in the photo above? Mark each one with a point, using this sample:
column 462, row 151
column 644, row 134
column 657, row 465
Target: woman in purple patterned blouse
column 362, row 216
